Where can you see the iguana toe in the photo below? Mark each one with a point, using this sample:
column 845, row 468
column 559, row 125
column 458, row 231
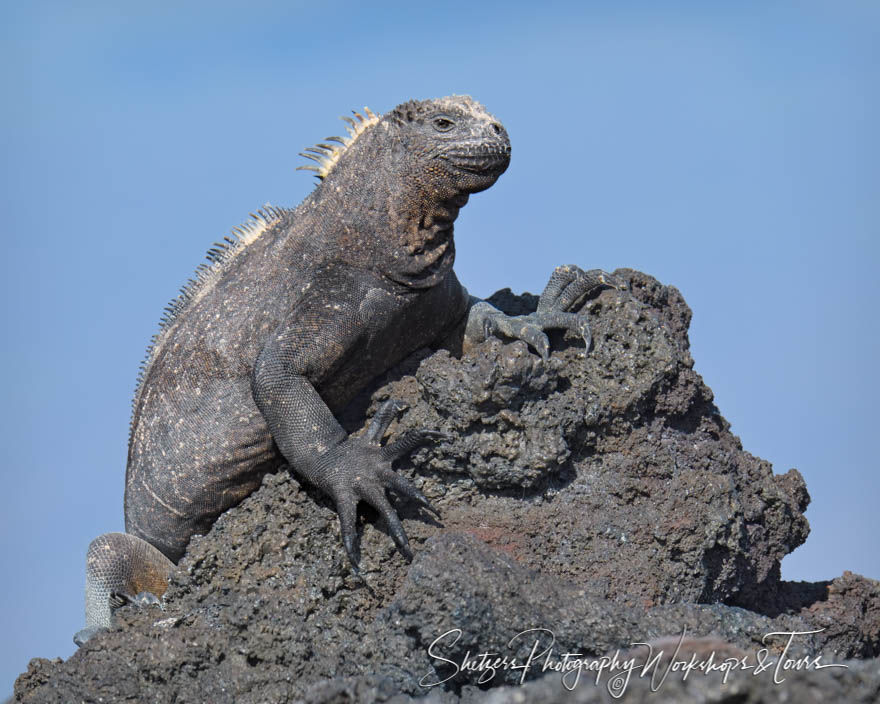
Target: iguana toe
column 569, row 286
column 346, row 508
column 392, row 480
column 519, row 327
column 374, row 494
column 380, row 422
column 410, row 441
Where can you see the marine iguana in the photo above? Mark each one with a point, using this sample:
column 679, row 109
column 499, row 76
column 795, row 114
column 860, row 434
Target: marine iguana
column 289, row 319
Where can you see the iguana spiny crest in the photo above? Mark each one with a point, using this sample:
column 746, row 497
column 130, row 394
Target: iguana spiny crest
column 328, row 154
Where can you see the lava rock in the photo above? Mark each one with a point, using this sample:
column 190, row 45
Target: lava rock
column 596, row 500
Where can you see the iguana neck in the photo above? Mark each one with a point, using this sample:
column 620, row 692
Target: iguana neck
column 422, row 247
column 401, row 226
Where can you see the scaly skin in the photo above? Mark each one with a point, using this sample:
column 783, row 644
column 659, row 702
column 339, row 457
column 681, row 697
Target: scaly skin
column 290, row 322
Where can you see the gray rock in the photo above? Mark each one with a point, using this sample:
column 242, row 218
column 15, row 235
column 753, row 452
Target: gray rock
column 600, row 498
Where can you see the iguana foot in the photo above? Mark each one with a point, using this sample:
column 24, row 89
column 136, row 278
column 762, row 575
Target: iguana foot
column 360, row 469
column 567, row 289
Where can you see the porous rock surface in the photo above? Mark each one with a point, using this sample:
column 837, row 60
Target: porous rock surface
column 597, row 500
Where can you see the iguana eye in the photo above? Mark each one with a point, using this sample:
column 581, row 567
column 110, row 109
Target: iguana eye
column 442, row 124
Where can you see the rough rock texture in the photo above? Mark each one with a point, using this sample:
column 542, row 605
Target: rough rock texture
column 599, row 497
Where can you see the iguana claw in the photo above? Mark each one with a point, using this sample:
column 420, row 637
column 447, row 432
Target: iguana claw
column 569, row 286
column 360, row 470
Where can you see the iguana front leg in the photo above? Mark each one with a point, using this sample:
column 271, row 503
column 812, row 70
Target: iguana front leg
column 349, row 469
column 565, row 292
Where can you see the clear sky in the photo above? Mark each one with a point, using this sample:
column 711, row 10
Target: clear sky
column 730, row 149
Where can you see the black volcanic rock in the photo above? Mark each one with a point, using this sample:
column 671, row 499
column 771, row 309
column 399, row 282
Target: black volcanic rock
column 600, row 497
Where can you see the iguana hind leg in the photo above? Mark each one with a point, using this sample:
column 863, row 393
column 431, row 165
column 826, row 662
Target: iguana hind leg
column 117, row 565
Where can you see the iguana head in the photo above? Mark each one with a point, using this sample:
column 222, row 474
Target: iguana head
column 451, row 142
column 396, row 183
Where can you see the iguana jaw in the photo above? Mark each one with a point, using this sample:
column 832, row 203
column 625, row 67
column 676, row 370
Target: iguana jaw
column 476, row 167
column 490, row 162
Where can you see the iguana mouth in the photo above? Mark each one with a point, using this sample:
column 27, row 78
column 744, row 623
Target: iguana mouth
column 483, row 163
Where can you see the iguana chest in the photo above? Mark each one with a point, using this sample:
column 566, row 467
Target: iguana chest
column 388, row 327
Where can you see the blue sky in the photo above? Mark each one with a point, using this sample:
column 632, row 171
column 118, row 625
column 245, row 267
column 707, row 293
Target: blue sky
column 730, row 149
